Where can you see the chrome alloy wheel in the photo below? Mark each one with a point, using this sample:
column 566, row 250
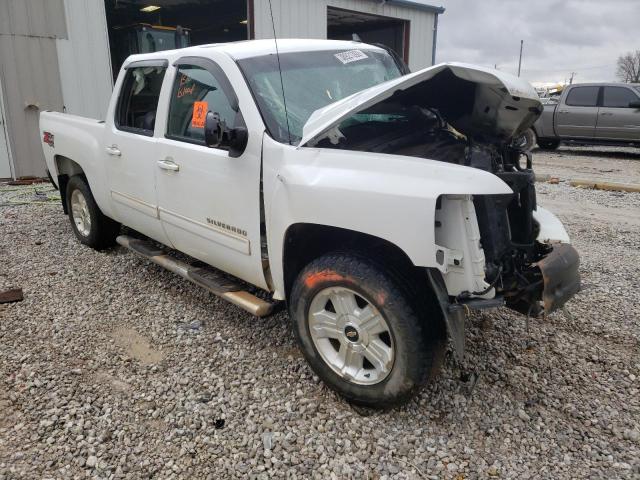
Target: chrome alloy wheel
column 80, row 213
column 351, row 335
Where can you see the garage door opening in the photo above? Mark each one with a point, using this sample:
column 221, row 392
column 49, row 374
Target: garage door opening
column 392, row 32
column 143, row 26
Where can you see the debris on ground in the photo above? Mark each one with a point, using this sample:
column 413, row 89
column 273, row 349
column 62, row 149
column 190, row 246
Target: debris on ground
column 11, row 295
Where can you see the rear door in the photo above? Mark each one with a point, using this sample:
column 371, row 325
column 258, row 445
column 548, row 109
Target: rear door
column 131, row 151
column 209, row 201
column 577, row 115
column 616, row 119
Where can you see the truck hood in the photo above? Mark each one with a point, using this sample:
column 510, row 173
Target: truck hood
column 479, row 102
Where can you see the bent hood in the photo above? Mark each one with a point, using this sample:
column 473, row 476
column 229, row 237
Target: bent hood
column 479, row 102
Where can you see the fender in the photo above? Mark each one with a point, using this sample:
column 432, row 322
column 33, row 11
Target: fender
column 391, row 197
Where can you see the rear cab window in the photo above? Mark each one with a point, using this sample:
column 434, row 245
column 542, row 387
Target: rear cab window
column 583, row 97
column 196, row 91
column 618, row 97
column 139, row 96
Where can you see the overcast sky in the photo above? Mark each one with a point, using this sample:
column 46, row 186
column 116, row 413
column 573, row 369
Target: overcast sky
column 560, row 37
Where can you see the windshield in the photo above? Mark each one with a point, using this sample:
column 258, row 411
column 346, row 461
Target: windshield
column 312, row 80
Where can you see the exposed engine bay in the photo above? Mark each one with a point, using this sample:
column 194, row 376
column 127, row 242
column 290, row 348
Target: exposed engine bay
column 516, row 264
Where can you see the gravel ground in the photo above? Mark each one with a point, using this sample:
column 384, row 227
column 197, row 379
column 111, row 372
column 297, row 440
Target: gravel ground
column 114, row 368
column 611, row 164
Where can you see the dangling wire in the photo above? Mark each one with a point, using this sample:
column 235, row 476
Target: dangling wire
column 284, row 97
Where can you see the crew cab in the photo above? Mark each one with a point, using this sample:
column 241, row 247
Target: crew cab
column 379, row 207
column 589, row 114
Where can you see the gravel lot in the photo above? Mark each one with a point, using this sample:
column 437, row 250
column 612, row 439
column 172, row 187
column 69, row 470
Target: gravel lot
column 114, row 368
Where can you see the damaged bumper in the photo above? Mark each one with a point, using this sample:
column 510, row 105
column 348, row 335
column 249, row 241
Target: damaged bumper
column 561, row 279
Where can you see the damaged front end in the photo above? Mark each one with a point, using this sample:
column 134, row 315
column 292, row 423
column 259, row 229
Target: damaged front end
column 530, row 273
column 468, row 115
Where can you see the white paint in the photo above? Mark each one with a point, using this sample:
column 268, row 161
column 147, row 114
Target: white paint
column 5, row 153
column 391, row 197
column 551, row 228
column 493, row 94
column 458, row 236
column 84, row 60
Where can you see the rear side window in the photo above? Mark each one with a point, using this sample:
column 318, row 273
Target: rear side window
column 138, row 101
column 618, row 97
column 196, row 91
column 583, row 97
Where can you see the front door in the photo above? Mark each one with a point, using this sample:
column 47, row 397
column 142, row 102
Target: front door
column 576, row 116
column 209, row 202
column 616, row 119
column 5, row 166
column 131, row 151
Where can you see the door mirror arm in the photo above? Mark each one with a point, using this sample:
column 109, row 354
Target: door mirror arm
column 634, row 104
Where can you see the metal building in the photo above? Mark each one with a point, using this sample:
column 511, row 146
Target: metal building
column 63, row 55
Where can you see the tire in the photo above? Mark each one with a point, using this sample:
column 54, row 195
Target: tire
column 526, row 141
column 548, row 144
column 411, row 328
column 89, row 224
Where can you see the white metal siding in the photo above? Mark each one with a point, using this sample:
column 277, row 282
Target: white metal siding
column 308, row 19
column 32, row 18
column 29, row 75
column 85, row 64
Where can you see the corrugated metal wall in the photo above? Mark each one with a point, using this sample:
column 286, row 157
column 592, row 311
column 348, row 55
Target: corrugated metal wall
column 308, row 19
column 29, row 74
column 85, row 63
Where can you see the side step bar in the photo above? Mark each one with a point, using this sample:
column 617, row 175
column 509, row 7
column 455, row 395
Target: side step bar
column 214, row 281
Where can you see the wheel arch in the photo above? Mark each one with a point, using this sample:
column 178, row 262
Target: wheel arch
column 304, row 242
column 65, row 169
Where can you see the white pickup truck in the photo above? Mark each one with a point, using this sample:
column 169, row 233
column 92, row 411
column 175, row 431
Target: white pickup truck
column 380, row 206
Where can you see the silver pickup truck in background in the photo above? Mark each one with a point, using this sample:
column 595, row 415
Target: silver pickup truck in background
column 591, row 114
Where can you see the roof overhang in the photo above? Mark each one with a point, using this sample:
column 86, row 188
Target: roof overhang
column 415, row 4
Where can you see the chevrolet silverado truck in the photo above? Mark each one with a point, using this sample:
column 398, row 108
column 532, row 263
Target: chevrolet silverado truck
column 588, row 114
column 379, row 208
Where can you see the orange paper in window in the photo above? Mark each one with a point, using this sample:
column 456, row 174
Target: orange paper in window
column 200, row 110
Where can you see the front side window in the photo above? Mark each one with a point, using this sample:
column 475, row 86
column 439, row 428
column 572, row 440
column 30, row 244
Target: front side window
column 583, row 97
column 312, row 80
column 618, row 97
column 138, row 101
column 196, row 91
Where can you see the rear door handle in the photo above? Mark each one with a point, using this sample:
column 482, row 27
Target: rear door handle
column 168, row 165
column 113, row 151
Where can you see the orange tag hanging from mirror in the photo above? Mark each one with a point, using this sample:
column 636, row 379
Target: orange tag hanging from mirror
column 200, row 110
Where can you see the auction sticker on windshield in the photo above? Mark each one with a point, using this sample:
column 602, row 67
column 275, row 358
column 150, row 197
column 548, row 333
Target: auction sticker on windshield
column 350, row 56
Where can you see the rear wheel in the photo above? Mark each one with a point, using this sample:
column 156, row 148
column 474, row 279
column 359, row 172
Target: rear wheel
column 89, row 224
column 362, row 330
column 548, row 144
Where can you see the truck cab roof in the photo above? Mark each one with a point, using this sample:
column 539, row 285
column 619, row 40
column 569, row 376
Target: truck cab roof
column 255, row 48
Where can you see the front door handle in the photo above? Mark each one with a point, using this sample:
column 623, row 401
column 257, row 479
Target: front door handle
column 114, row 151
column 168, row 165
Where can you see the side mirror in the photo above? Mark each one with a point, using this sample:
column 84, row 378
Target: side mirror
column 213, row 130
column 239, row 137
column 634, row 104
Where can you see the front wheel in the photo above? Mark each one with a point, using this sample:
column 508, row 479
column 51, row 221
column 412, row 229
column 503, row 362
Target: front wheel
column 362, row 331
column 89, row 224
